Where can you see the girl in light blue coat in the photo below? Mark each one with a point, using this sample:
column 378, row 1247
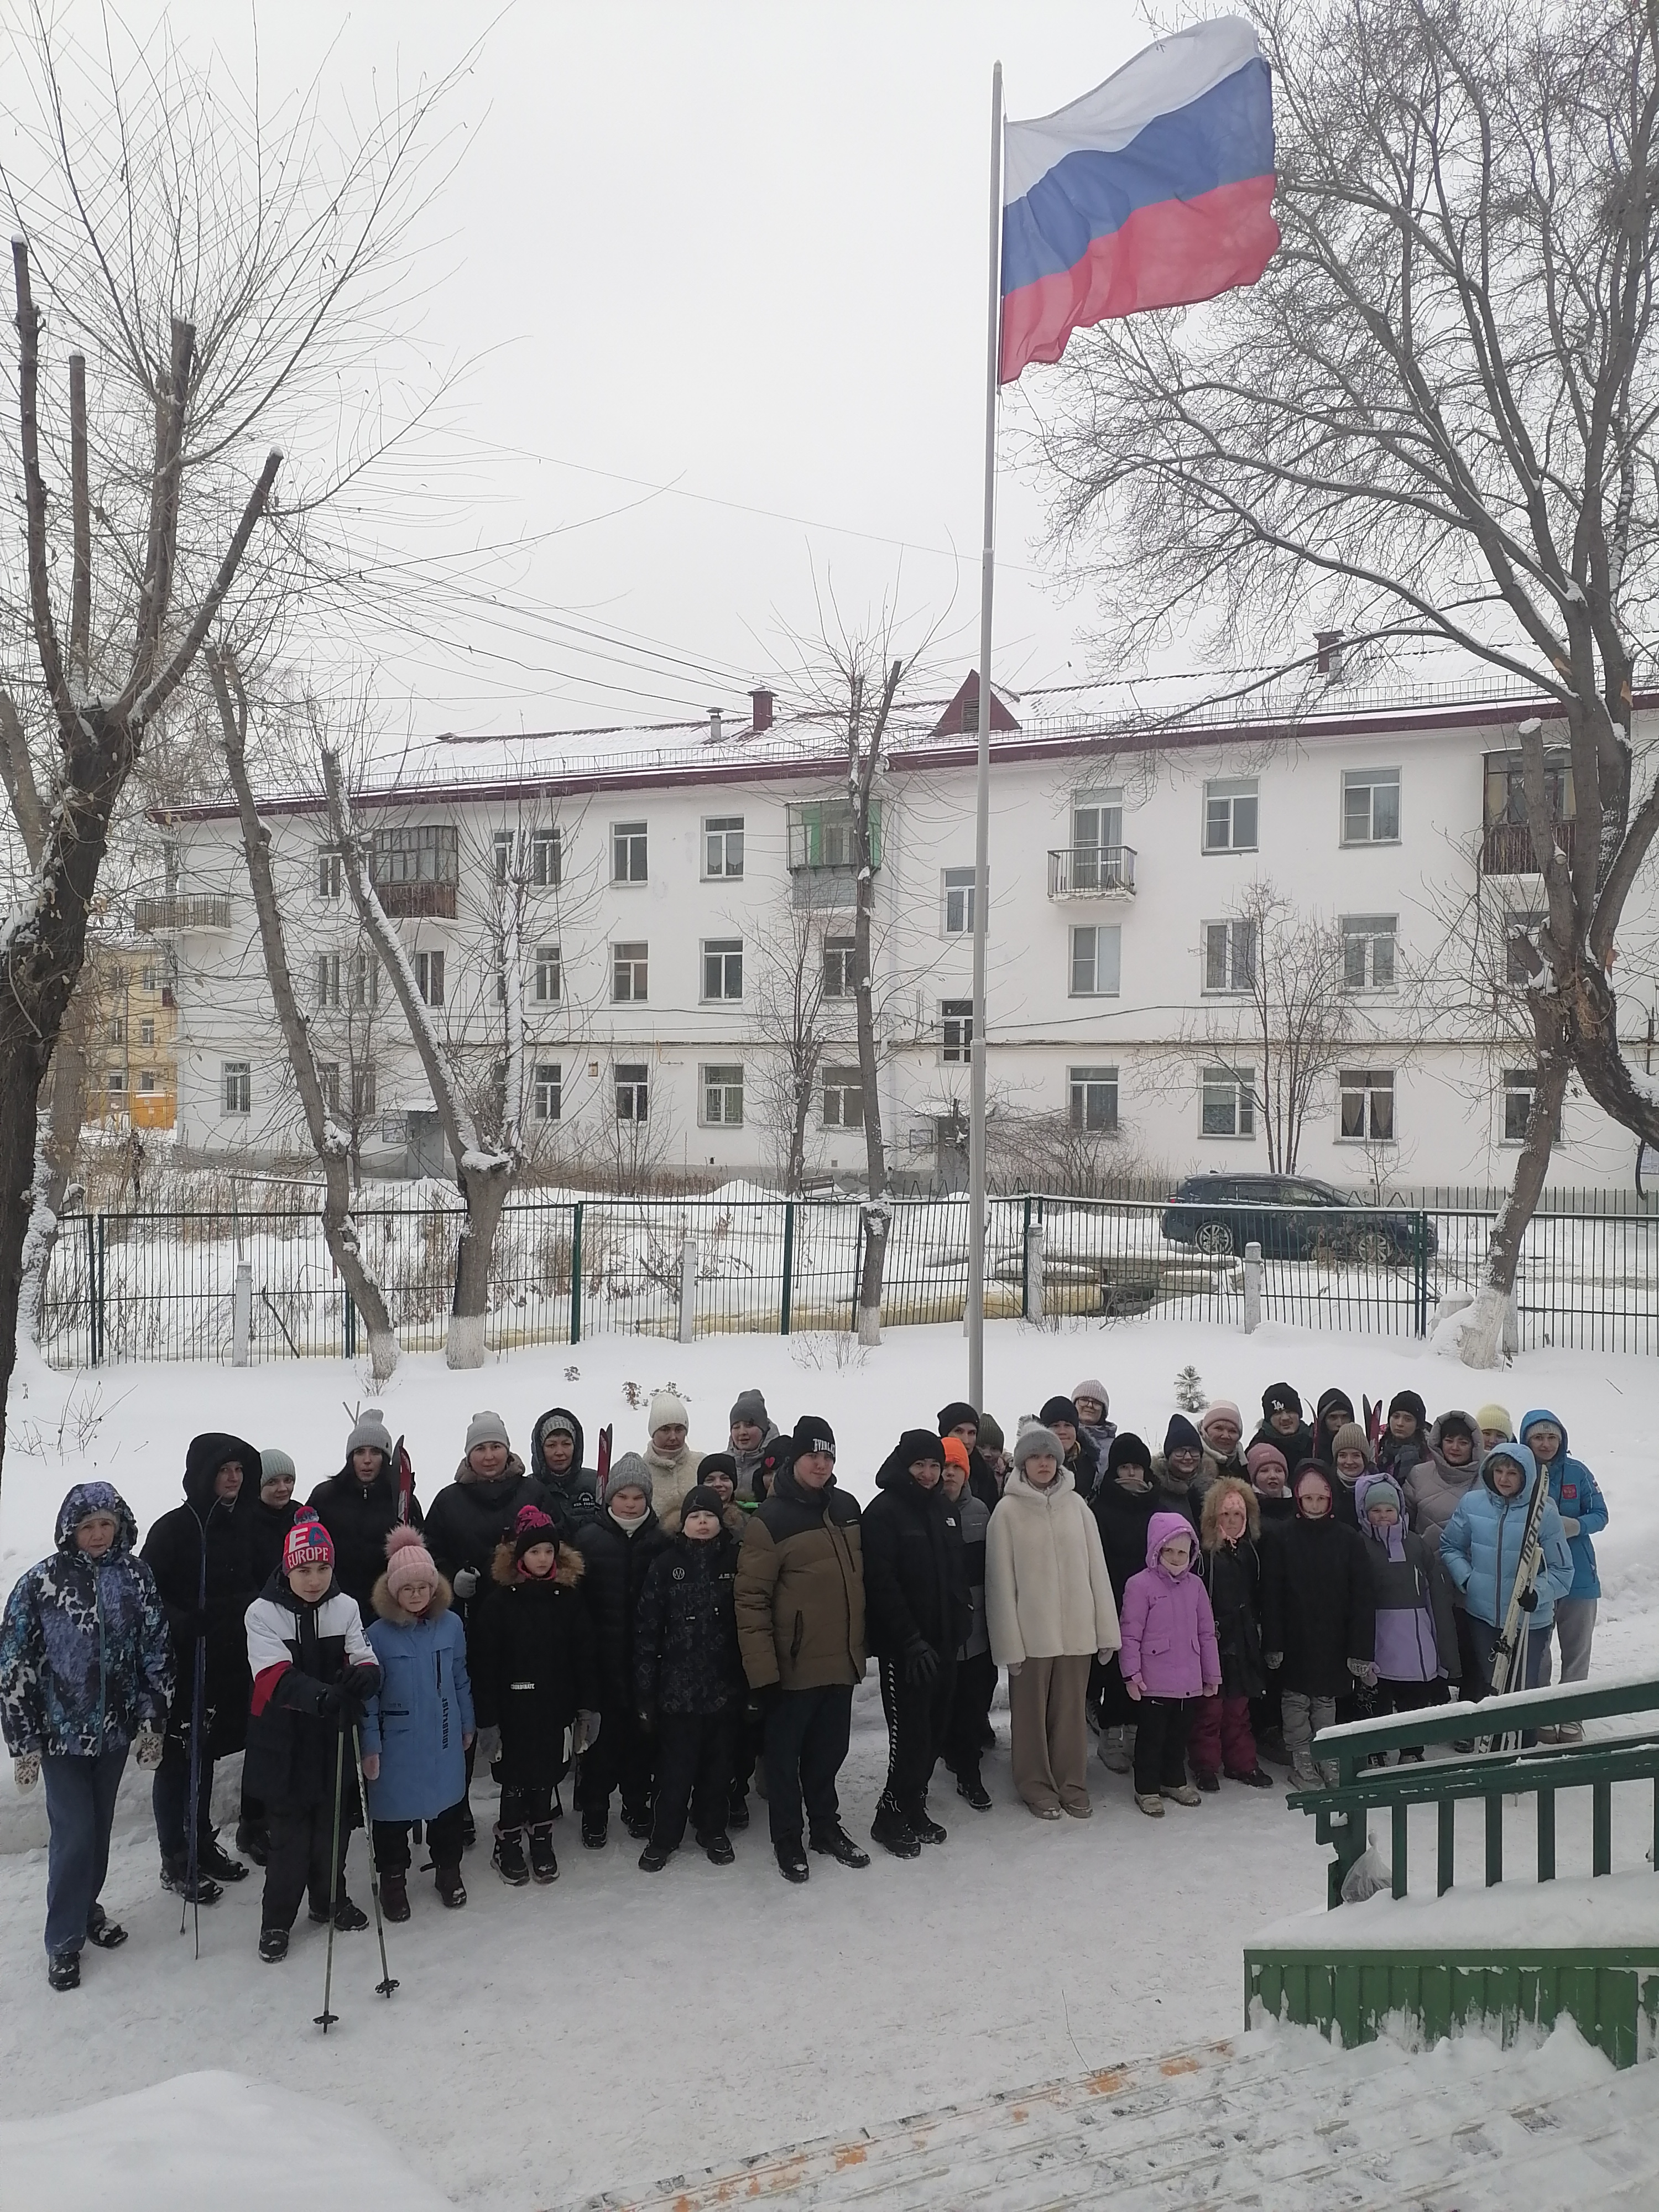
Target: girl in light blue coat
column 1482, row 1551
column 1578, row 1498
column 417, row 1731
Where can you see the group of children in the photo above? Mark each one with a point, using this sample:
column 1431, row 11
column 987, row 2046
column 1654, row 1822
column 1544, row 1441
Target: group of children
column 670, row 1622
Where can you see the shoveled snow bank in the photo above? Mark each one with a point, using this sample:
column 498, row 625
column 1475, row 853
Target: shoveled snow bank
column 1605, row 1911
column 202, row 2142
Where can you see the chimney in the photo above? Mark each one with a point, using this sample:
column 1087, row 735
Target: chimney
column 713, row 725
column 1329, row 642
column 759, row 701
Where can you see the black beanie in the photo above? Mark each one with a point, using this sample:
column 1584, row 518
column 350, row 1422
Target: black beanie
column 918, row 1444
column 959, row 1414
column 701, row 1499
column 1281, row 1394
column 1126, row 1450
column 1408, row 1402
column 718, row 1463
column 1180, row 1436
column 813, row 1434
column 1058, row 1409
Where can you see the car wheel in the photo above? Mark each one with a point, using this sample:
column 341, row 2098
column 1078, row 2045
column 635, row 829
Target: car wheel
column 1214, row 1239
column 1375, row 1248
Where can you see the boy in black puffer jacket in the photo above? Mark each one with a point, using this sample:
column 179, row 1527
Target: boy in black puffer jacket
column 1124, row 1507
column 916, row 1612
column 689, row 1683
column 619, row 1549
column 534, row 1675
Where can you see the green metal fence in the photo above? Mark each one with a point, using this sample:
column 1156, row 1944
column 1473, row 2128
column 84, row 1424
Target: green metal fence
column 127, row 1286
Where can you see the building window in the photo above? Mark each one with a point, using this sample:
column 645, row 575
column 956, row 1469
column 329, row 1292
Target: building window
column 1520, row 1089
column 839, row 968
column 549, row 978
column 1095, row 961
column 1370, row 806
column 633, row 1090
column 821, row 834
column 116, row 1082
column 549, row 1090
column 628, row 852
column 722, row 968
column 329, row 875
column 366, row 979
column 1368, row 947
column 236, row 1086
column 504, row 842
column 150, row 978
column 957, row 891
column 722, row 847
column 363, row 1107
column 118, row 1029
column 1230, row 956
column 843, row 1098
column 1366, row 1105
column 1228, row 1099
column 328, row 1074
column 722, row 1098
column 1093, row 1097
column 546, row 859
column 147, row 1081
column 425, row 853
column 628, row 966
column 147, row 1031
column 1506, row 846
column 956, row 1024
column 1096, row 820
column 1230, row 815
column 328, row 979
column 430, row 977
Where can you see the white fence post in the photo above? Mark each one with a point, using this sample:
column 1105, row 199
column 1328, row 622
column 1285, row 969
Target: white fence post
column 1252, row 1288
column 241, row 1316
column 1034, row 1247
column 688, row 1290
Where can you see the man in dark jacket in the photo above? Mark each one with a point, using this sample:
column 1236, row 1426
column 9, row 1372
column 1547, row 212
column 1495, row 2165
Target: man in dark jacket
column 689, row 1681
column 1318, row 1616
column 959, row 1419
column 202, row 1555
column 1123, row 1504
column 1282, row 1424
column 916, row 1596
column 361, row 1505
column 619, row 1549
column 800, row 1623
column 555, row 1461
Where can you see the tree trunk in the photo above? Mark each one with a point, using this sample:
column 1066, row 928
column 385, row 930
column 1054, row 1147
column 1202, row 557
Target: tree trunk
column 486, row 1194
column 875, row 1216
column 795, row 1172
column 1480, row 1339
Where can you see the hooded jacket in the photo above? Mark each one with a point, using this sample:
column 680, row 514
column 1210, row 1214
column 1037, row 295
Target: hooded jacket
column 1325, row 1437
column 297, row 1651
column 572, row 1497
column 615, row 1565
column 1169, row 1629
column 1232, row 1575
column 1047, row 1591
column 1434, row 1488
column 1481, row 1545
column 469, row 1517
column 748, row 1463
column 1577, row 1497
column 268, row 1528
column 359, row 1516
column 685, row 1637
column 1397, row 1456
column 801, row 1595
column 86, row 1653
column 914, row 1577
column 1122, row 1516
column 423, row 1712
column 534, row 1664
column 1296, row 1447
column 208, row 1544
column 1316, row 1604
column 1416, row 1628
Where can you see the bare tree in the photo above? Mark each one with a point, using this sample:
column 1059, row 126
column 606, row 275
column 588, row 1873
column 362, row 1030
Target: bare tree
column 789, row 1014
column 1438, row 410
column 331, row 1139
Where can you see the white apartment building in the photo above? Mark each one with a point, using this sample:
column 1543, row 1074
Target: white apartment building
column 656, row 889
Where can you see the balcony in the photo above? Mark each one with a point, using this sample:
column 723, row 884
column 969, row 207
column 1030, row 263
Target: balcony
column 1091, row 871
column 1506, row 848
column 418, row 902
column 202, row 911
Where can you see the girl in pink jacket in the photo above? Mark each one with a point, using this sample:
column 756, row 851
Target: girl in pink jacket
column 1169, row 1658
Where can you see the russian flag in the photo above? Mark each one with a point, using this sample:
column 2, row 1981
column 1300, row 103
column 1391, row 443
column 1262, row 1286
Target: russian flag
column 1155, row 190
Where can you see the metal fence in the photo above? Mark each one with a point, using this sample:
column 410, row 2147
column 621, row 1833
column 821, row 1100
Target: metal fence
column 164, row 1286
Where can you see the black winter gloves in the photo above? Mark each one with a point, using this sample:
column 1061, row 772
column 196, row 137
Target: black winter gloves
column 920, row 1661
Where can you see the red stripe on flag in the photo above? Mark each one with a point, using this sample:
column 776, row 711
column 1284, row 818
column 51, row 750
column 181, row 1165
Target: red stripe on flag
column 1172, row 255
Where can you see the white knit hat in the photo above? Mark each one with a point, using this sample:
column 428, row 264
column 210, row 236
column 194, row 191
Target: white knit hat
column 667, row 1408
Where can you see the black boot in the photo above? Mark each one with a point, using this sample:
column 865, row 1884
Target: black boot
column 736, row 1815
column 508, row 1857
column 596, row 1828
column 718, row 1848
column 63, row 1970
column 654, row 1857
column 107, row 1934
column 792, row 1860
column 451, row 1888
column 922, row 1826
column 394, row 1896
column 253, row 1842
column 970, row 1787
column 273, row 1945
column 835, row 1844
column 175, row 1877
column 544, row 1866
column 892, row 1831
column 212, row 1858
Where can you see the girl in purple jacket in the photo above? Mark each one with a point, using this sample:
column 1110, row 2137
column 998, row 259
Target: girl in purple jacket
column 1169, row 1659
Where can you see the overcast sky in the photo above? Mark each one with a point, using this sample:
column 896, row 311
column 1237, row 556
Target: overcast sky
column 734, row 246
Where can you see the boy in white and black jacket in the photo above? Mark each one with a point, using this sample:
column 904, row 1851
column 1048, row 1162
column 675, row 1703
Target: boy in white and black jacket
column 314, row 1673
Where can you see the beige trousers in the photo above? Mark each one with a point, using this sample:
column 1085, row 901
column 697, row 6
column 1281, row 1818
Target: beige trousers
column 1050, row 1738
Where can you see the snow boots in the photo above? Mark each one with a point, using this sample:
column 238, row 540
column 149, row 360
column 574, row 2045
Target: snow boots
column 273, row 1945
column 970, row 1787
column 922, row 1825
column 63, row 1970
column 394, row 1896
column 452, row 1890
column 508, row 1857
column 1116, row 1750
column 108, row 1935
column 596, row 1828
column 893, row 1832
column 654, row 1858
column 211, row 1858
column 253, row 1842
column 717, row 1849
column 1183, row 1793
column 792, row 1860
column 835, row 1844
column 1152, row 1807
column 544, row 1867
column 175, row 1877
column 348, row 1917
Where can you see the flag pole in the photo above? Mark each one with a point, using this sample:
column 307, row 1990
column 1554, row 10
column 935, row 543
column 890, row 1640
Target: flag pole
column 982, row 795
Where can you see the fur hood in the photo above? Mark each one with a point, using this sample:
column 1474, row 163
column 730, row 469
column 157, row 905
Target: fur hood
column 388, row 1609
column 1209, row 1518
column 505, row 1570
column 513, row 1473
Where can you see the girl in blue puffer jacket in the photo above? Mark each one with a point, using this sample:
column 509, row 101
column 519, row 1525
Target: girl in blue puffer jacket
column 1481, row 1550
column 1576, row 1496
column 416, row 1730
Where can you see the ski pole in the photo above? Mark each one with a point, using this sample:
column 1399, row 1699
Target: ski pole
column 386, row 1986
column 325, row 2019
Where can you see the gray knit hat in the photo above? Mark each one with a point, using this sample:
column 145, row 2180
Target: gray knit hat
column 486, row 1429
column 370, row 1433
column 750, row 1406
column 1035, row 1439
column 276, row 1466
column 627, row 1473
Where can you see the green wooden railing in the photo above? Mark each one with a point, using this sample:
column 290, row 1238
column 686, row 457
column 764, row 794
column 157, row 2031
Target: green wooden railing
column 1342, row 1809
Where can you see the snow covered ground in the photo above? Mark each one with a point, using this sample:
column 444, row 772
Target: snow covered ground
column 615, row 2029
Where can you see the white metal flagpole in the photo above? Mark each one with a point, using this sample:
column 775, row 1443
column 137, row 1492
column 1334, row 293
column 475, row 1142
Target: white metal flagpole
column 982, row 796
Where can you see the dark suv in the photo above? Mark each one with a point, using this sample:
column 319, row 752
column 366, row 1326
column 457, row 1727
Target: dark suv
column 1291, row 1217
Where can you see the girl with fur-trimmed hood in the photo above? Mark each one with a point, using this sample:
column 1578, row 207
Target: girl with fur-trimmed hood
column 1229, row 1566
column 535, row 1674
column 419, row 1727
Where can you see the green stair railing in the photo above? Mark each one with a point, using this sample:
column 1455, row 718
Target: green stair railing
column 1342, row 1809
